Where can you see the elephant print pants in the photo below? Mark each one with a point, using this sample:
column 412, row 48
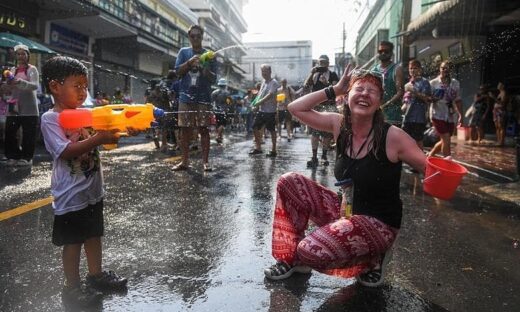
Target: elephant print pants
column 338, row 246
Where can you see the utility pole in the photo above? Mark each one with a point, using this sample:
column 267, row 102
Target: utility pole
column 342, row 63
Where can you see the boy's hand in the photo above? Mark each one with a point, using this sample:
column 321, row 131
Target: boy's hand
column 132, row 131
column 107, row 136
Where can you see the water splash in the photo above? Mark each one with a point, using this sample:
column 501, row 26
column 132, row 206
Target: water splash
column 231, row 47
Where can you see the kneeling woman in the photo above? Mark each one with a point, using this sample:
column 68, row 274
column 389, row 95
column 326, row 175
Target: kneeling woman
column 370, row 152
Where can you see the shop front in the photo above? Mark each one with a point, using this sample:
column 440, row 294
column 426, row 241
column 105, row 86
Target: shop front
column 16, row 21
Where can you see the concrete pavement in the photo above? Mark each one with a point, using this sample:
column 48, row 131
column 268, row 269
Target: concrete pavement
column 488, row 161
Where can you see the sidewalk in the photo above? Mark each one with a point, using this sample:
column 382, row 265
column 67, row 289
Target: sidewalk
column 497, row 164
column 487, row 160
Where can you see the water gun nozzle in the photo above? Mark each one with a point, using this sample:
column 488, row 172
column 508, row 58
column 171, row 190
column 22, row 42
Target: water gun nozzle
column 158, row 113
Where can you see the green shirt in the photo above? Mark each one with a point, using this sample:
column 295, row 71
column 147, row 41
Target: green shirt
column 392, row 112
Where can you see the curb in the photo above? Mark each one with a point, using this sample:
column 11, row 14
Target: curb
column 487, row 174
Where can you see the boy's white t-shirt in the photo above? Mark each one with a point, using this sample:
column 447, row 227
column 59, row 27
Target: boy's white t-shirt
column 75, row 183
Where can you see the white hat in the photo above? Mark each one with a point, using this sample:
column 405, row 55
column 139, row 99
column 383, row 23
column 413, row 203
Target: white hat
column 21, row 46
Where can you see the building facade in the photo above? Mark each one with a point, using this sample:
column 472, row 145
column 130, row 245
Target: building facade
column 124, row 44
column 384, row 22
column 291, row 60
column 223, row 28
column 480, row 37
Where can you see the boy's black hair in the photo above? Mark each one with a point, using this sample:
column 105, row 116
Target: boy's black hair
column 60, row 67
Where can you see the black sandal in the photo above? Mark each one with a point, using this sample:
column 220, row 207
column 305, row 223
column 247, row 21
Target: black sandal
column 375, row 278
column 282, row 270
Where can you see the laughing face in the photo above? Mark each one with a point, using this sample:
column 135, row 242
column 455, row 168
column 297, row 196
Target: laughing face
column 364, row 97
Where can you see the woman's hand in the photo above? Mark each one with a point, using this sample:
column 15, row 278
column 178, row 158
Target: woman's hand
column 342, row 85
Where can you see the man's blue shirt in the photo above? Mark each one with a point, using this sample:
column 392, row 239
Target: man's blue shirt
column 194, row 87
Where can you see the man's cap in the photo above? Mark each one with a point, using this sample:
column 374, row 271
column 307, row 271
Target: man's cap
column 222, row 82
column 323, row 57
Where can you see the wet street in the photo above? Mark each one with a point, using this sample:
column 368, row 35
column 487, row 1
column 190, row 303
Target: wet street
column 195, row 241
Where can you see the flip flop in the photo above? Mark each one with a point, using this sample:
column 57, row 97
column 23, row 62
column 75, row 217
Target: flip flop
column 180, row 167
column 207, row 167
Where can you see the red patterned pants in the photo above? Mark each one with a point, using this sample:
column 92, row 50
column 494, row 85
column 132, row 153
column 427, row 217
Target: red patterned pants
column 338, row 246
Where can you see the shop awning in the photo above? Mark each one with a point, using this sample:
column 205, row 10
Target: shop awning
column 432, row 13
column 8, row 40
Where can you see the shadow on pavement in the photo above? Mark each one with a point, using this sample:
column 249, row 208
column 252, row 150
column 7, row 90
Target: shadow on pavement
column 288, row 295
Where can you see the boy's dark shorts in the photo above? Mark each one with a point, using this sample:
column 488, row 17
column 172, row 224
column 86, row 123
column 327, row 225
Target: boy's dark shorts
column 415, row 130
column 265, row 119
column 77, row 226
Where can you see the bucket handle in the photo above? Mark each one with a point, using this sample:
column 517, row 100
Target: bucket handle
column 431, row 176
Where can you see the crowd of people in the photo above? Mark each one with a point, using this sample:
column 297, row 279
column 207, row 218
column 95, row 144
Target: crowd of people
column 373, row 118
column 22, row 102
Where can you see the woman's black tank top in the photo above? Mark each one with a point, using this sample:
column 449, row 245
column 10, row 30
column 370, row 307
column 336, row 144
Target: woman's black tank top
column 376, row 181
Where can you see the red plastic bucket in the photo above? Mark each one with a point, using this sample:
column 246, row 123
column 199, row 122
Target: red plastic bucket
column 442, row 177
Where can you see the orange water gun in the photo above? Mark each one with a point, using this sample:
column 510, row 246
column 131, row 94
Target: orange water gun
column 111, row 117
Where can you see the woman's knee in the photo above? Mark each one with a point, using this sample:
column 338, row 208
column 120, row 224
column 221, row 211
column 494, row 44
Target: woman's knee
column 289, row 178
column 311, row 252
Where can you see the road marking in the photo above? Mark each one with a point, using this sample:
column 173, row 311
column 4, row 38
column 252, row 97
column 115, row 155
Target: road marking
column 24, row 208
column 42, row 202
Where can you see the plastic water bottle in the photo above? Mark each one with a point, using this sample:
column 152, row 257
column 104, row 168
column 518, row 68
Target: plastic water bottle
column 347, row 189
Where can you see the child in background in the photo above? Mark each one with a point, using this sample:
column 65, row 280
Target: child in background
column 76, row 184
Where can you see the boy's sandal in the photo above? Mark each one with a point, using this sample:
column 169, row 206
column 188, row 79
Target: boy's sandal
column 282, row 270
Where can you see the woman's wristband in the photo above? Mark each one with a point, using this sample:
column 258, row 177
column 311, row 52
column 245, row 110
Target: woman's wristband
column 329, row 92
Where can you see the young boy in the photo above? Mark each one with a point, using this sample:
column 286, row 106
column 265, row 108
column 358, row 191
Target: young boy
column 76, row 184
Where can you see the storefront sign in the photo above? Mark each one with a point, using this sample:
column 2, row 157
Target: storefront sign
column 13, row 21
column 68, row 40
